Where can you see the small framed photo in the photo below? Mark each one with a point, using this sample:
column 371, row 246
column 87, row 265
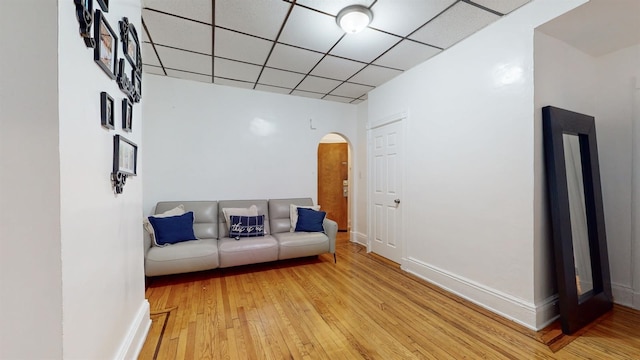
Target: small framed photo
column 125, row 156
column 137, row 86
column 127, row 115
column 125, row 84
column 106, row 49
column 84, row 13
column 106, row 111
column 104, row 5
column 130, row 44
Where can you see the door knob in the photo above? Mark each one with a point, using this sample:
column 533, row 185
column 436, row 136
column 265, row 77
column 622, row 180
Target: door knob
column 397, row 201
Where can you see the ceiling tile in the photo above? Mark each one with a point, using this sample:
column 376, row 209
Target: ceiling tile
column 260, row 18
column 501, row 6
column 184, row 60
column 189, row 76
column 406, row 55
column 236, row 70
column 375, row 75
column 276, row 89
column 337, row 68
column 149, row 69
column 403, row 17
column 316, row 84
column 307, row 94
column 460, row 21
column 281, row 78
column 236, row 46
column 338, row 99
column 234, row 83
column 179, row 33
column 365, row 45
column 193, row 9
column 294, row 59
column 351, row 90
column 311, row 30
column 149, row 56
column 333, row 7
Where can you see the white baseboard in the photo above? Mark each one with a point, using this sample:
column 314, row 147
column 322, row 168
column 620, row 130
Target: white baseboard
column 636, row 300
column 547, row 312
column 137, row 334
column 623, row 295
column 359, row 238
column 510, row 307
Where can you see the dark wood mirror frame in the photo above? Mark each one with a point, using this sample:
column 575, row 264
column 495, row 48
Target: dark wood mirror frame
column 576, row 310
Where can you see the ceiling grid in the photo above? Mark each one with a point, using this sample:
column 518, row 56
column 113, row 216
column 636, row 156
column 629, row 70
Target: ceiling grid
column 295, row 46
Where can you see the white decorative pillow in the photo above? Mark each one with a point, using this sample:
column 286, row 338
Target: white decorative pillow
column 250, row 211
column 293, row 214
column 176, row 211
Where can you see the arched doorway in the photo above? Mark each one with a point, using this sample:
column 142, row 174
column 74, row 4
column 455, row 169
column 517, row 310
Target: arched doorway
column 334, row 184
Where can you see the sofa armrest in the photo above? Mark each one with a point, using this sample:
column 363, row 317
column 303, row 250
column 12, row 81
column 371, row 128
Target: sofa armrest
column 331, row 229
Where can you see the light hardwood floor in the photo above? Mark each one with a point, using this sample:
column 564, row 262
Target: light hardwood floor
column 363, row 307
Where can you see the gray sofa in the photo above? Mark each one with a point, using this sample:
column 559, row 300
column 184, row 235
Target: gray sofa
column 214, row 248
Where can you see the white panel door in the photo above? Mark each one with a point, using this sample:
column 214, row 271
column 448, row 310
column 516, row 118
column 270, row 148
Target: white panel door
column 386, row 208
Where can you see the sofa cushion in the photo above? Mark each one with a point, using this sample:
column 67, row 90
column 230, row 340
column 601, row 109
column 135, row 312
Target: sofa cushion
column 173, row 229
column 293, row 214
column 310, row 220
column 248, row 211
column 247, row 251
column 187, row 256
column 299, row 244
column 246, row 226
column 280, row 213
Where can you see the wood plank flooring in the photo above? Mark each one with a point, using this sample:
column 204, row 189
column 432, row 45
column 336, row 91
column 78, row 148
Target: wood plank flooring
column 363, row 307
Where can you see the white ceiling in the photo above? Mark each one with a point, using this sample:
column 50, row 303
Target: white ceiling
column 599, row 26
column 295, row 47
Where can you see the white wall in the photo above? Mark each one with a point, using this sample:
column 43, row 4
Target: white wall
column 72, row 261
column 470, row 163
column 30, row 264
column 211, row 142
column 359, row 229
column 104, row 309
column 604, row 88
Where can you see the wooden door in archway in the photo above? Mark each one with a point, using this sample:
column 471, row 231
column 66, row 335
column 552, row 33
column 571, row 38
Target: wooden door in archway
column 333, row 189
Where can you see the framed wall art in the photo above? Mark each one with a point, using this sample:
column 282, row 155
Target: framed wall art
column 125, row 162
column 137, row 86
column 106, row 49
column 107, row 111
column 123, row 80
column 104, row 5
column 84, row 13
column 127, row 115
column 130, row 44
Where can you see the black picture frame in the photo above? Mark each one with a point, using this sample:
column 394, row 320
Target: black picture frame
column 106, row 49
column 137, row 86
column 577, row 307
column 125, row 162
column 104, row 5
column 107, row 111
column 84, row 13
column 124, row 83
column 127, row 115
column 130, row 44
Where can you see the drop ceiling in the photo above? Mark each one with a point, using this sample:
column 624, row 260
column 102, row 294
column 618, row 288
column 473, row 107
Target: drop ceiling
column 295, row 47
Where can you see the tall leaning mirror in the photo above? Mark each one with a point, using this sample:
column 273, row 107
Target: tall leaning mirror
column 577, row 219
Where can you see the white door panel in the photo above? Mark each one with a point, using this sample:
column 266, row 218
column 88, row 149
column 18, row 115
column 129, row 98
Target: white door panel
column 386, row 190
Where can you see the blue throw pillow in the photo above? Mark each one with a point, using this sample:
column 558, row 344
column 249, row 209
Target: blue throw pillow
column 246, row 226
column 310, row 220
column 173, row 229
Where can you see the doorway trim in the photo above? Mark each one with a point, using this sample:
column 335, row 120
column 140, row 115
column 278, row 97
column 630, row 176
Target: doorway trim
column 350, row 161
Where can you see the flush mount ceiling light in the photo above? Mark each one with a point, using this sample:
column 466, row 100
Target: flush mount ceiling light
column 354, row 18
